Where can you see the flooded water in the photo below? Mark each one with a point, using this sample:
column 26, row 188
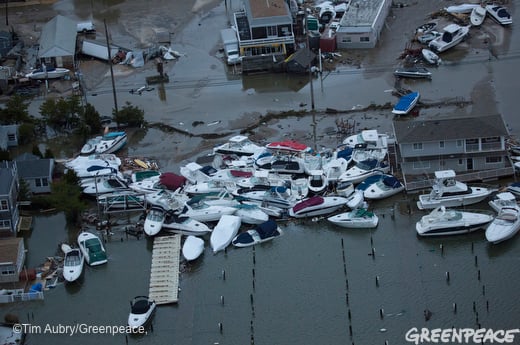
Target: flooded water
column 317, row 284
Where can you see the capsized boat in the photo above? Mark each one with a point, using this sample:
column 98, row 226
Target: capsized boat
column 359, row 218
column 317, row 205
column 92, row 249
column 263, row 232
column 192, row 248
column 447, row 191
column 72, row 263
column 224, row 232
column 505, row 225
column 442, row 221
column 142, row 309
column 406, row 103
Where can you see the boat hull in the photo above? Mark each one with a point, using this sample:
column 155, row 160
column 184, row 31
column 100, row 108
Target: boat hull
column 477, row 195
column 192, row 248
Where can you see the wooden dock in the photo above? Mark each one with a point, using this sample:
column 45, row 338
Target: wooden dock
column 164, row 275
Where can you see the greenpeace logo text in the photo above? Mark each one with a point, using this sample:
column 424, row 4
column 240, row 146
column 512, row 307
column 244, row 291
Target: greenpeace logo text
column 461, row 336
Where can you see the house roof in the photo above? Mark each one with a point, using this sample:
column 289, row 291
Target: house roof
column 30, row 168
column 58, row 38
column 6, row 180
column 302, row 57
column 449, row 128
column 267, row 12
column 361, row 13
column 9, row 249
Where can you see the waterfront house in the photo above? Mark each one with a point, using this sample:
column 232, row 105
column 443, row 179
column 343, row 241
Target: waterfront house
column 36, row 172
column 58, row 43
column 474, row 147
column 8, row 136
column 12, row 258
column 362, row 23
column 265, row 33
column 9, row 187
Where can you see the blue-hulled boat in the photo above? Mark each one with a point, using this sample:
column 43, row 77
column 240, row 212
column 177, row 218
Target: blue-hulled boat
column 406, row 103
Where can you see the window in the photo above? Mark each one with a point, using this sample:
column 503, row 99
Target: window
column 5, row 224
column 45, row 182
column 11, row 137
column 491, row 160
column 460, row 143
column 417, row 146
column 4, row 205
column 421, row 165
column 461, row 162
column 441, row 144
column 272, row 31
column 7, row 271
column 364, row 39
column 346, row 39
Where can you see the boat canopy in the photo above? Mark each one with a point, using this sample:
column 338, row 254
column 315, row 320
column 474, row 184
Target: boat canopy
column 312, row 201
column 267, row 229
column 172, row 181
column 391, row 181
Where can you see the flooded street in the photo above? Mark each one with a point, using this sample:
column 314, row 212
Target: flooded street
column 317, row 284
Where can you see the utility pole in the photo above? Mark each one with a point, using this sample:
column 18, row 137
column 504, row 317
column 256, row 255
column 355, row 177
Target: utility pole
column 310, row 71
column 6, row 13
column 111, row 69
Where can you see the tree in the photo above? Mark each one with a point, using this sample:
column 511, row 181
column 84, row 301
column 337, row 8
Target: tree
column 36, row 151
column 48, row 153
column 62, row 113
column 15, row 111
column 26, row 133
column 5, row 155
column 92, row 119
column 130, row 115
column 66, row 197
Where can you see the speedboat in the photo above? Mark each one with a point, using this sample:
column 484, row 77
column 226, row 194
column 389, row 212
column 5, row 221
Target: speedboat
column 344, row 188
column 442, row 221
column 446, row 191
column 289, row 146
column 413, row 72
column 48, row 73
column 264, row 232
column 201, row 211
column 428, row 37
column 500, row 14
column 72, row 263
column 317, row 205
column 108, row 160
column 363, row 152
column 368, row 136
column 210, row 186
column 142, row 309
column 477, row 16
column 359, row 218
column 224, row 232
column 154, row 221
column 239, row 145
column 300, row 188
column 385, row 187
column 104, row 185
column 184, row 225
column 431, row 57
column 406, row 103
column 277, row 196
column 111, row 142
column 364, row 169
column 504, row 199
column 192, row 248
column 505, row 225
column 462, row 8
column 287, row 165
column 92, row 249
column 251, row 213
column 514, row 188
column 318, row 182
column 166, row 199
column 195, row 172
column 452, row 35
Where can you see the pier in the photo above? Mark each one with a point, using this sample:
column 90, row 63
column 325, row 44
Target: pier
column 164, row 275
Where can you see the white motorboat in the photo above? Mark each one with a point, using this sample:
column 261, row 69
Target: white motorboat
column 264, row 232
column 92, row 249
column 447, row 191
column 111, row 142
column 359, row 218
column 442, row 221
column 504, row 199
column 452, row 35
column 195, row 172
column 279, row 196
column 385, row 187
column 224, row 232
column 300, row 188
column 344, row 188
column 166, row 199
column 72, row 263
column 288, row 146
column 210, row 186
column 192, row 248
column 431, row 57
column 317, row 182
column 413, row 72
column 251, row 213
column 499, row 14
column 233, row 175
column 428, row 37
column 239, row 145
column 505, row 225
column 514, row 188
column 142, row 309
column 108, row 160
column 317, row 206
column 355, row 200
column 287, row 165
column 462, row 8
column 334, row 168
column 104, row 185
column 371, row 137
column 90, row 146
column 89, row 173
column 364, row 169
column 263, row 178
column 201, row 211
column 184, row 225
column 48, row 73
column 154, row 221
column 477, row 16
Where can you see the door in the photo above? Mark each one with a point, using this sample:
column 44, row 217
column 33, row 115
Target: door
column 469, row 164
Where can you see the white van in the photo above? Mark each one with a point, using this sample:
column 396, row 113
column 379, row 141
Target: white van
column 230, row 43
column 85, row 27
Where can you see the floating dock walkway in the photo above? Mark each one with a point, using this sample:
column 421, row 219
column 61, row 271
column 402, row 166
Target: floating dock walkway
column 164, row 275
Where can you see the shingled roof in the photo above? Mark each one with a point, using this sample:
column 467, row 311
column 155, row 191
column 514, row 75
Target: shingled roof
column 449, row 128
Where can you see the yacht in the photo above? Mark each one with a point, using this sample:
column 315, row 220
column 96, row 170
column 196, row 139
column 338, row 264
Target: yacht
column 442, row 221
column 446, row 191
column 452, row 35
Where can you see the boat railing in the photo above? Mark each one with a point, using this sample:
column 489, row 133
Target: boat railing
column 21, row 297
